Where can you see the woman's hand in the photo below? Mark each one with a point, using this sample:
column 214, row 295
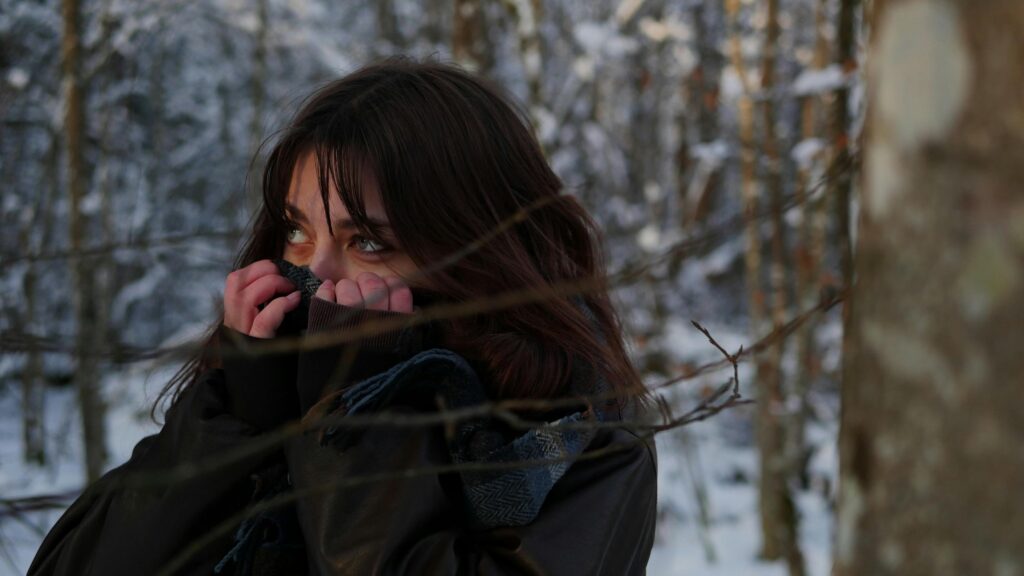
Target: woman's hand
column 247, row 288
column 370, row 291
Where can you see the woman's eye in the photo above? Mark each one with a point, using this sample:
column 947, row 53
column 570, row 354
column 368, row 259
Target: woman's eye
column 296, row 235
column 368, row 246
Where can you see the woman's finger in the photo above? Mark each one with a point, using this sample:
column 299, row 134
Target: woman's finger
column 239, row 279
column 263, row 289
column 267, row 321
column 374, row 290
column 326, row 291
column 347, row 293
column 239, row 314
column 399, row 294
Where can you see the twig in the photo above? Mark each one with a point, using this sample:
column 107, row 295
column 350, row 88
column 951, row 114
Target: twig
column 732, row 358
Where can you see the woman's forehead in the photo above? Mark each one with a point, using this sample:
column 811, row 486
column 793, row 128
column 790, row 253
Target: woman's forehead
column 304, row 192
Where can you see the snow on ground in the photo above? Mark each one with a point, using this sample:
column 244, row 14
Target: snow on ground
column 716, row 456
column 129, row 396
column 719, row 457
column 702, row 455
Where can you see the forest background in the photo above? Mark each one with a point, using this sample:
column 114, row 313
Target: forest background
column 719, row 143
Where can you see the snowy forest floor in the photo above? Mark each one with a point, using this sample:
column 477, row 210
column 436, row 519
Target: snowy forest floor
column 717, row 458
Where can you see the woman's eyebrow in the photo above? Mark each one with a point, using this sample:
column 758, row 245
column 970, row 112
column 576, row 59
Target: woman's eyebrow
column 376, row 224
column 295, row 214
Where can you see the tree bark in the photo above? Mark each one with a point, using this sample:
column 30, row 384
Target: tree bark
column 778, row 514
column 86, row 375
column 702, row 88
column 259, row 75
column 846, row 57
column 387, row 26
column 527, row 14
column 930, row 444
column 33, row 239
column 471, row 46
column 808, row 257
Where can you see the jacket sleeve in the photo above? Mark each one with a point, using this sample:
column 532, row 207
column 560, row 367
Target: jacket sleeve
column 378, row 508
column 120, row 525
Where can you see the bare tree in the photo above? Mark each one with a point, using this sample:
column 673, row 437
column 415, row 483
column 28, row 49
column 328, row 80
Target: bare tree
column 778, row 514
column 701, row 87
column 931, row 462
column 86, row 375
column 527, row 14
column 387, row 25
column 809, row 252
column 846, row 56
column 471, row 45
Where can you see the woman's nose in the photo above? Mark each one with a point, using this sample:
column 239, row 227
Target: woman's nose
column 328, row 264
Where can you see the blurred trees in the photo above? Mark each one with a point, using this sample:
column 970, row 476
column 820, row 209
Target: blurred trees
column 695, row 131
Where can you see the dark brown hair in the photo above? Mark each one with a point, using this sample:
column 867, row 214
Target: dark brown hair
column 454, row 160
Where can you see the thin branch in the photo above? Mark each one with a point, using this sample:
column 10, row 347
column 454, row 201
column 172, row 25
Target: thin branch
column 732, row 358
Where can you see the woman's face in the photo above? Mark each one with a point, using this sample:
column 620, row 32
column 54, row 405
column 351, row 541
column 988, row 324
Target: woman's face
column 347, row 253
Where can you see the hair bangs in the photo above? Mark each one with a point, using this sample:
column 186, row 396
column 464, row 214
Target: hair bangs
column 345, row 165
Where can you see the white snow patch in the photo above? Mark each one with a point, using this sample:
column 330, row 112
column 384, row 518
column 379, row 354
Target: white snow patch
column 604, row 40
column 653, row 192
column 713, row 153
column 17, row 78
column 649, row 238
column 584, row 68
column 805, row 153
column 731, row 85
column 668, row 28
column 922, row 71
column 819, row 81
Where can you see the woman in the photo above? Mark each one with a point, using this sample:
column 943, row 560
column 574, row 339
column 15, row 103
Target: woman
column 402, row 205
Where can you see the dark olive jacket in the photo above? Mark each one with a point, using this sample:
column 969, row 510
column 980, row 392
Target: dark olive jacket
column 387, row 503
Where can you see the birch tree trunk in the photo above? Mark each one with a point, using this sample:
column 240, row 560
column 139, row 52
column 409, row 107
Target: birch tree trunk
column 930, row 445
column 86, row 375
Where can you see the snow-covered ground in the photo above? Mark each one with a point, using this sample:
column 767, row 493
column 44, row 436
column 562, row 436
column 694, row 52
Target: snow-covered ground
column 716, row 458
column 128, row 394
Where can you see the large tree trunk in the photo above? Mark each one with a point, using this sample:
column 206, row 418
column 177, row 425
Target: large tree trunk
column 931, row 457
column 86, row 373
